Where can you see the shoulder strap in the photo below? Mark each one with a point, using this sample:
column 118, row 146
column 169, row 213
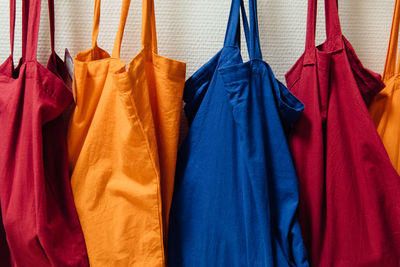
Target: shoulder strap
column 391, row 56
column 32, row 26
column 149, row 36
column 25, row 12
column 29, row 46
column 52, row 24
column 255, row 49
column 96, row 22
column 332, row 22
column 232, row 36
column 12, row 26
column 120, row 33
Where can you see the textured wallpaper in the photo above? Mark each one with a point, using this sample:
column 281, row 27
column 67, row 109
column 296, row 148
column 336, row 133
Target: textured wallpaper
column 193, row 30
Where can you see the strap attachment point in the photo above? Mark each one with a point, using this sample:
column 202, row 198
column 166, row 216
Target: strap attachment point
column 149, row 36
column 232, row 36
column 332, row 23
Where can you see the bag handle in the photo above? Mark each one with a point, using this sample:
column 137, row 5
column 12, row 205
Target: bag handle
column 26, row 5
column 391, row 56
column 25, row 15
column 25, row 8
column 32, row 28
column 149, row 33
column 12, row 26
column 96, row 22
column 255, row 36
column 52, row 24
column 332, row 22
column 118, row 39
column 149, row 36
column 232, row 36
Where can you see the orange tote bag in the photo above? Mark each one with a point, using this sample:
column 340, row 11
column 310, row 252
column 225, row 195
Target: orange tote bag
column 122, row 142
column 385, row 108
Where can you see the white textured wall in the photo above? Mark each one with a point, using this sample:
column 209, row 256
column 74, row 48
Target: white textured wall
column 193, row 30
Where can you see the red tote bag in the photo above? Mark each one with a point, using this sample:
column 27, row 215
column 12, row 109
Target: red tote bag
column 349, row 192
column 37, row 208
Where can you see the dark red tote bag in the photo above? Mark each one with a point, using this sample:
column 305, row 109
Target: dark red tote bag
column 349, row 192
column 37, row 208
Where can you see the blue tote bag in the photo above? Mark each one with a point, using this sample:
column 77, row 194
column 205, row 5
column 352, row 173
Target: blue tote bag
column 236, row 191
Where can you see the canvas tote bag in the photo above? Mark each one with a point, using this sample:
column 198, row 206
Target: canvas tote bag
column 236, row 191
column 122, row 146
column 40, row 220
column 349, row 192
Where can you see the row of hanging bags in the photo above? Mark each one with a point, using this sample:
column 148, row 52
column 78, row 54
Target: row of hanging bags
column 349, row 191
column 236, row 191
column 37, row 208
column 384, row 108
column 122, row 143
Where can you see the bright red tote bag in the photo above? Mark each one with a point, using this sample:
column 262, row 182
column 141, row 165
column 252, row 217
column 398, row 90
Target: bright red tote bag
column 39, row 216
column 349, row 192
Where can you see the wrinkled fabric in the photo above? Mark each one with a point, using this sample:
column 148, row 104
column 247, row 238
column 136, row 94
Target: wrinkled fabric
column 349, row 192
column 122, row 144
column 385, row 108
column 236, row 191
column 38, row 212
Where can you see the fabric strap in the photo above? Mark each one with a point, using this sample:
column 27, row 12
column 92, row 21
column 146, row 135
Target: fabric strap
column 33, row 29
column 52, row 24
column 30, row 27
column 149, row 36
column 332, row 23
column 96, row 22
column 391, row 57
column 232, row 36
column 25, row 12
column 12, row 26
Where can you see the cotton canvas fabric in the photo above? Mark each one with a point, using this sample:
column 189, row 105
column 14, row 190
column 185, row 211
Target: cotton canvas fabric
column 122, row 143
column 40, row 221
column 385, row 107
column 349, row 192
column 236, row 192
